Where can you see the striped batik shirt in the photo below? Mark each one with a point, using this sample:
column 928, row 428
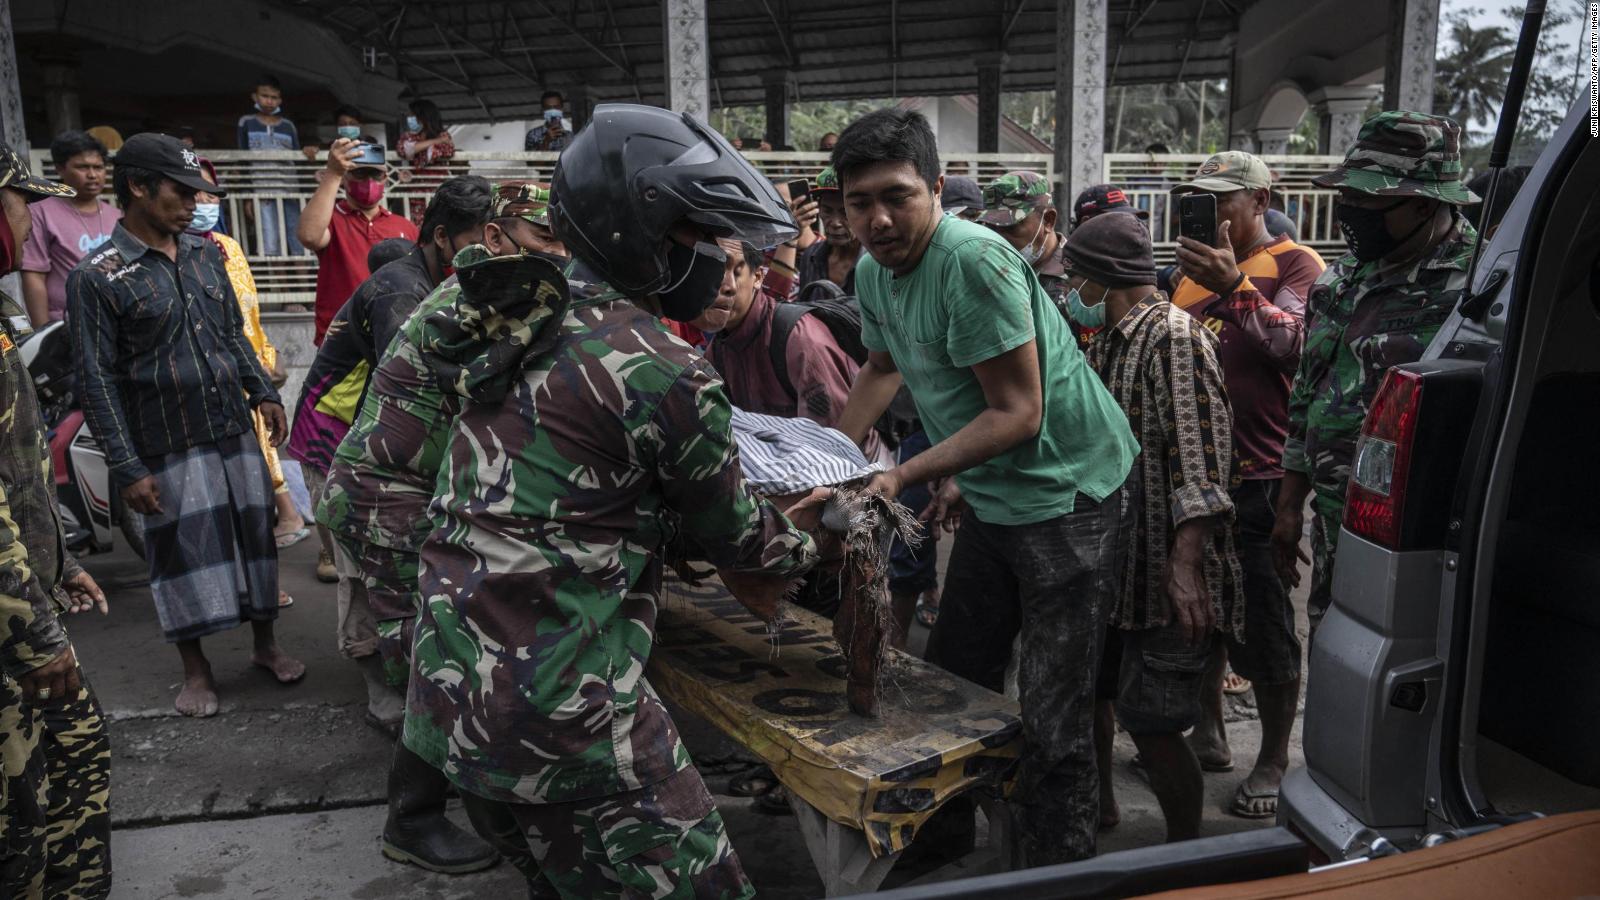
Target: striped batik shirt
column 786, row 456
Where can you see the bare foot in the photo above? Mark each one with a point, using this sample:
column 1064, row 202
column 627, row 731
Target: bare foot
column 1110, row 815
column 284, row 667
column 198, row 697
column 1210, row 748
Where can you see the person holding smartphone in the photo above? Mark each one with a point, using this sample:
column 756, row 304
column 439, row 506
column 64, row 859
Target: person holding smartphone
column 552, row 136
column 1250, row 290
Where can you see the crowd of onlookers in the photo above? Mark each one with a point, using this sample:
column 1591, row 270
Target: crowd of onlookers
column 1124, row 454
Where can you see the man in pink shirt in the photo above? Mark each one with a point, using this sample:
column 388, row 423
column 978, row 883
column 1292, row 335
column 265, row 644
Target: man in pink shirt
column 740, row 327
column 65, row 229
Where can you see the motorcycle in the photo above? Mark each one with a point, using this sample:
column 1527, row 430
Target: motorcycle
column 91, row 508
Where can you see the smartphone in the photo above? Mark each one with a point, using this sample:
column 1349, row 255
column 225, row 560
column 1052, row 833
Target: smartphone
column 1197, row 217
column 799, row 190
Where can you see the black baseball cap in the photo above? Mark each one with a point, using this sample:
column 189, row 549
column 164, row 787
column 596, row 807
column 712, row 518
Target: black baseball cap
column 960, row 193
column 14, row 173
column 166, row 154
column 1102, row 198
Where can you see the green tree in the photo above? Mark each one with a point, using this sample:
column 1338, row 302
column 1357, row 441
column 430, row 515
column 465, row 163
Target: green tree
column 1469, row 79
column 809, row 120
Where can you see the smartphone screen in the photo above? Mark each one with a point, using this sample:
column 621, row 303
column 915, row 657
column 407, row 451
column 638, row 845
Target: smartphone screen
column 799, row 189
column 1197, row 217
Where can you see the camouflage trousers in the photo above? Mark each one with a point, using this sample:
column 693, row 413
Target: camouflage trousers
column 388, row 589
column 55, row 819
column 663, row 841
column 1324, row 538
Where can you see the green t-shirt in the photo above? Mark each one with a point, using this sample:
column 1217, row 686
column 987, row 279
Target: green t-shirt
column 973, row 298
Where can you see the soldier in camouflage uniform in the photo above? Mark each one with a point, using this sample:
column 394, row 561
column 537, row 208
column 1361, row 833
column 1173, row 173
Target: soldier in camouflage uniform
column 1378, row 306
column 591, row 441
column 55, row 759
column 1019, row 207
column 383, row 474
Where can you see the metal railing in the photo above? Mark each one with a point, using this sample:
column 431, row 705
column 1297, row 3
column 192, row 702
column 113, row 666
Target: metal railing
column 267, row 189
column 1147, row 179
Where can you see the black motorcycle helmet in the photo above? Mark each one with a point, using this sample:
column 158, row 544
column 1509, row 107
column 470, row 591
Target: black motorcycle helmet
column 636, row 171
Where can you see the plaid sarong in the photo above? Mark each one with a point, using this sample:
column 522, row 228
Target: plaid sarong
column 213, row 562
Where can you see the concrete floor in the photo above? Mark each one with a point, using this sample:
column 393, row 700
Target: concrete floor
column 280, row 795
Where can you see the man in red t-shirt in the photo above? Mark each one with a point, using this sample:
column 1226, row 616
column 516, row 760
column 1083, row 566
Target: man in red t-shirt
column 1250, row 288
column 341, row 232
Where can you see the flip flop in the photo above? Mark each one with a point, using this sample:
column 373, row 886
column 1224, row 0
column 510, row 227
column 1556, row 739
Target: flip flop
column 1235, row 684
column 774, row 802
column 757, row 782
column 284, row 600
column 1248, row 804
column 290, row 538
column 927, row 613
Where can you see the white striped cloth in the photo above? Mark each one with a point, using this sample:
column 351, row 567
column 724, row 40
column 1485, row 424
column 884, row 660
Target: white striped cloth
column 787, row 456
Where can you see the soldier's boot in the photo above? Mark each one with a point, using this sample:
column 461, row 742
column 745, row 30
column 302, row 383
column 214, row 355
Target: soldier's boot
column 417, row 831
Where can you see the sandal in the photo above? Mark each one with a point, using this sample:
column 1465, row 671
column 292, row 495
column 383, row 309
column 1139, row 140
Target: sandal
column 1234, row 684
column 1139, row 768
column 284, row 600
column 928, row 608
column 1248, row 804
column 758, row 782
column 290, row 538
column 774, row 803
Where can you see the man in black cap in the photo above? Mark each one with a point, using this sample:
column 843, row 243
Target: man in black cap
column 1181, row 577
column 168, row 381
column 1103, row 198
column 55, row 758
column 961, row 198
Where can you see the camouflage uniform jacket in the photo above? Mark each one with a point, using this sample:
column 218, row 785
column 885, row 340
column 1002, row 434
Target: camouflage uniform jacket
column 33, row 557
column 1360, row 322
column 568, row 473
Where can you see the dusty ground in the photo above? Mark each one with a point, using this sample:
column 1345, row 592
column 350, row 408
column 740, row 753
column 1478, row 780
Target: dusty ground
column 281, row 794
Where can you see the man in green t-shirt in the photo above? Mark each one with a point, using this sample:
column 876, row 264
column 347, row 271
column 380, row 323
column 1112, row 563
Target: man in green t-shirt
column 1025, row 438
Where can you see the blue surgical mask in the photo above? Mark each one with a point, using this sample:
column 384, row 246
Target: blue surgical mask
column 1084, row 314
column 353, row 132
column 412, row 124
column 206, row 217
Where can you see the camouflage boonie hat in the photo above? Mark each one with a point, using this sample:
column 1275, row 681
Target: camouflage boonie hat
column 523, row 200
column 14, row 173
column 1013, row 196
column 1404, row 154
column 827, row 180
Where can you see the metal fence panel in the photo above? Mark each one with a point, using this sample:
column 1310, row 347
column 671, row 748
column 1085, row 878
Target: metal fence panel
column 268, row 188
column 1147, row 179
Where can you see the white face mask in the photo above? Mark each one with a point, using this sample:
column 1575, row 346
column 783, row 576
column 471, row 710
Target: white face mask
column 1033, row 253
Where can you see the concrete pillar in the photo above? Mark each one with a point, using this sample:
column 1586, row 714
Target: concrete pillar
column 12, row 130
column 61, row 95
column 779, row 84
column 1340, row 111
column 579, row 107
column 1273, row 141
column 1413, row 41
column 990, row 67
column 688, row 57
column 1080, row 94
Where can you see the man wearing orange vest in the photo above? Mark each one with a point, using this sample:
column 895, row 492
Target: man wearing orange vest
column 1250, row 289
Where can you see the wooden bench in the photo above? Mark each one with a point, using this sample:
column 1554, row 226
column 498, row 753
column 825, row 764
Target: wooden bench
column 860, row 787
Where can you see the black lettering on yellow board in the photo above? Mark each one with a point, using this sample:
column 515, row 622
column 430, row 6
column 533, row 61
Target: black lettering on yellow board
column 798, row 703
column 791, row 633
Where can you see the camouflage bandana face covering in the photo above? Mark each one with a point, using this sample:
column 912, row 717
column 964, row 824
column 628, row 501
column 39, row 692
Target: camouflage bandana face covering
column 508, row 313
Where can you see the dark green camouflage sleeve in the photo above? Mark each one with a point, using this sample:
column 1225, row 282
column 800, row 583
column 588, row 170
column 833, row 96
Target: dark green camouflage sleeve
column 30, row 634
column 697, row 460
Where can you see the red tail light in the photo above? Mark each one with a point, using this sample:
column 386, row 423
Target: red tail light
column 1375, row 504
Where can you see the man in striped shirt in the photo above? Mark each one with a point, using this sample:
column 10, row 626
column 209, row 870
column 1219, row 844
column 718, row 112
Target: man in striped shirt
column 1250, row 289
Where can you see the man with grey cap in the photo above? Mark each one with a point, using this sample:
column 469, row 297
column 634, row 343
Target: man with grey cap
column 1179, row 581
column 1378, row 306
column 1250, row 289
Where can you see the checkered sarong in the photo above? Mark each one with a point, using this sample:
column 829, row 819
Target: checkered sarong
column 213, row 562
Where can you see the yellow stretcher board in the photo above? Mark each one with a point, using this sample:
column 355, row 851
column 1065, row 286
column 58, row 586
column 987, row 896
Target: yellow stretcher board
column 936, row 735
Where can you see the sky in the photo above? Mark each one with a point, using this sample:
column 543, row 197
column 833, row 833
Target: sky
column 1491, row 12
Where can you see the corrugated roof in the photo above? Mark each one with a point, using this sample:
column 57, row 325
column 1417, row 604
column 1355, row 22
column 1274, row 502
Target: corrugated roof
column 492, row 59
